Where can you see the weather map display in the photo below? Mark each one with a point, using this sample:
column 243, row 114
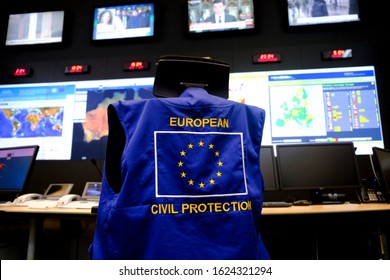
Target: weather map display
column 38, row 114
column 68, row 120
column 90, row 129
column 31, row 122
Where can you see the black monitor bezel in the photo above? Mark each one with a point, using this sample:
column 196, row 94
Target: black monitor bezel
column 323, row 27
column 272, row 161
column 16, row 192
column 226, row 33
column 322, row 188
column 382, row 173
column 124, row 40
column 43, row 45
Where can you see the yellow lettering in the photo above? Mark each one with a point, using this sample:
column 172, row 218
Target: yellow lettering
column 184, row 207
column 153, row 209
column 189, row 122
column 193, row 208
column 226, row 207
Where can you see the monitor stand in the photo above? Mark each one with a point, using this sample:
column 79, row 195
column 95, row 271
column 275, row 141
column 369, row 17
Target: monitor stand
column 327, row 197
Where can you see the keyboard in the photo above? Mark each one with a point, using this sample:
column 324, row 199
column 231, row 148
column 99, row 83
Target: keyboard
column 277, row 204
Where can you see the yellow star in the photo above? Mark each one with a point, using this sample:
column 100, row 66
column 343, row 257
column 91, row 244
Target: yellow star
column 190, row 146
column 182, row 153
column 180, row 163
column 217, row 154
column 191, row 182
column 201, row 143
column 211, row 146
column 219, row 173
column 212, row 181
column 220, row 163
column 183, row 174
column 201, row 185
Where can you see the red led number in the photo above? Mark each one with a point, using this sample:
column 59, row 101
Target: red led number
column 20, row 72
column 136, row 65
column 338, row 53
column 266, row 57
column 76, row 69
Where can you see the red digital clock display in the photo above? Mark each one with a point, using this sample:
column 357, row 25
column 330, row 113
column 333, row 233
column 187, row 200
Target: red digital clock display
column 267, row 58
column 76, row 69
column 136, row 66
column 20, row 72
column 337, row 54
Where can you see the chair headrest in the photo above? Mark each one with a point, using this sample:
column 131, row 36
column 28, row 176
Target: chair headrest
column 176, row 73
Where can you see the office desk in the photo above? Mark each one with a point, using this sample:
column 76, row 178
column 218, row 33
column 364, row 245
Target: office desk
column 326, row 209
column 35, row 214
column 270, row 214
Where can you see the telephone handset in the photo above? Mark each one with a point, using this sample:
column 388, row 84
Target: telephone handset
column 26, row 197
column 68, row 198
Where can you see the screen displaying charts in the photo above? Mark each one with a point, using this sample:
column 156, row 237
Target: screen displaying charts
column 68, row 120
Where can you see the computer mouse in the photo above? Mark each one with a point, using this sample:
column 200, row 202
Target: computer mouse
column 302, row 202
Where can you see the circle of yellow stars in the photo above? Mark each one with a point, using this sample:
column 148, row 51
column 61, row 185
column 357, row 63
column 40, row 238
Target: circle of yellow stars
column 202, row 183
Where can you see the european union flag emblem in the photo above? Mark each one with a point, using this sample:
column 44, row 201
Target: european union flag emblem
column 199, row 164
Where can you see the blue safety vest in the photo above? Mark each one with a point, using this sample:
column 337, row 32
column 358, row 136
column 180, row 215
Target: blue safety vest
column 181, row 180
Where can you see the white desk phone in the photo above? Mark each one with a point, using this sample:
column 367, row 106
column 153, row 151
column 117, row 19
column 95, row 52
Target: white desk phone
column 63, row 200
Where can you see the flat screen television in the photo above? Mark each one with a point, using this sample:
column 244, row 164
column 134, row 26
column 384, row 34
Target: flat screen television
column 322, row 12
column 327, row 168
column 128, row 21
column 35, row 28
column 268, row 168
column 220, row 15
column 381, row 162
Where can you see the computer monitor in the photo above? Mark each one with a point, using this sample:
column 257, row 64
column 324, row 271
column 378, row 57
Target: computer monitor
column 381, row 163
column 328, row 170
column 268, row 168
column 16, row 165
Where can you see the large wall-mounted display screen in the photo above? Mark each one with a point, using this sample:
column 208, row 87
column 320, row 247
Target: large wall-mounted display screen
column 124, row 21
column 322, row 12
column 315, row 105
column 220, row 15
column 68, row 120
column 35, row 28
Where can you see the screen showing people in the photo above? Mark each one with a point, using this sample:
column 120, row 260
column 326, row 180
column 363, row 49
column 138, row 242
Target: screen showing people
column 220, row 15
column 121, row 22
column 314, row 12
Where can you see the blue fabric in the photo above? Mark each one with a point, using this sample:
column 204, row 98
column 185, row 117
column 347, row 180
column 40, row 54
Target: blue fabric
column 190, row 181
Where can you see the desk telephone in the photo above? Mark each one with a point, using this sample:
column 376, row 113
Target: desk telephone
column 33, row 196
column 372, row 195
column 371, row 191
column 26, row 197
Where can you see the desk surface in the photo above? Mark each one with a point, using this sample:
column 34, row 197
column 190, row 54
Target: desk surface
column 293, row 210
column 27, row 210
column 326, row 208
